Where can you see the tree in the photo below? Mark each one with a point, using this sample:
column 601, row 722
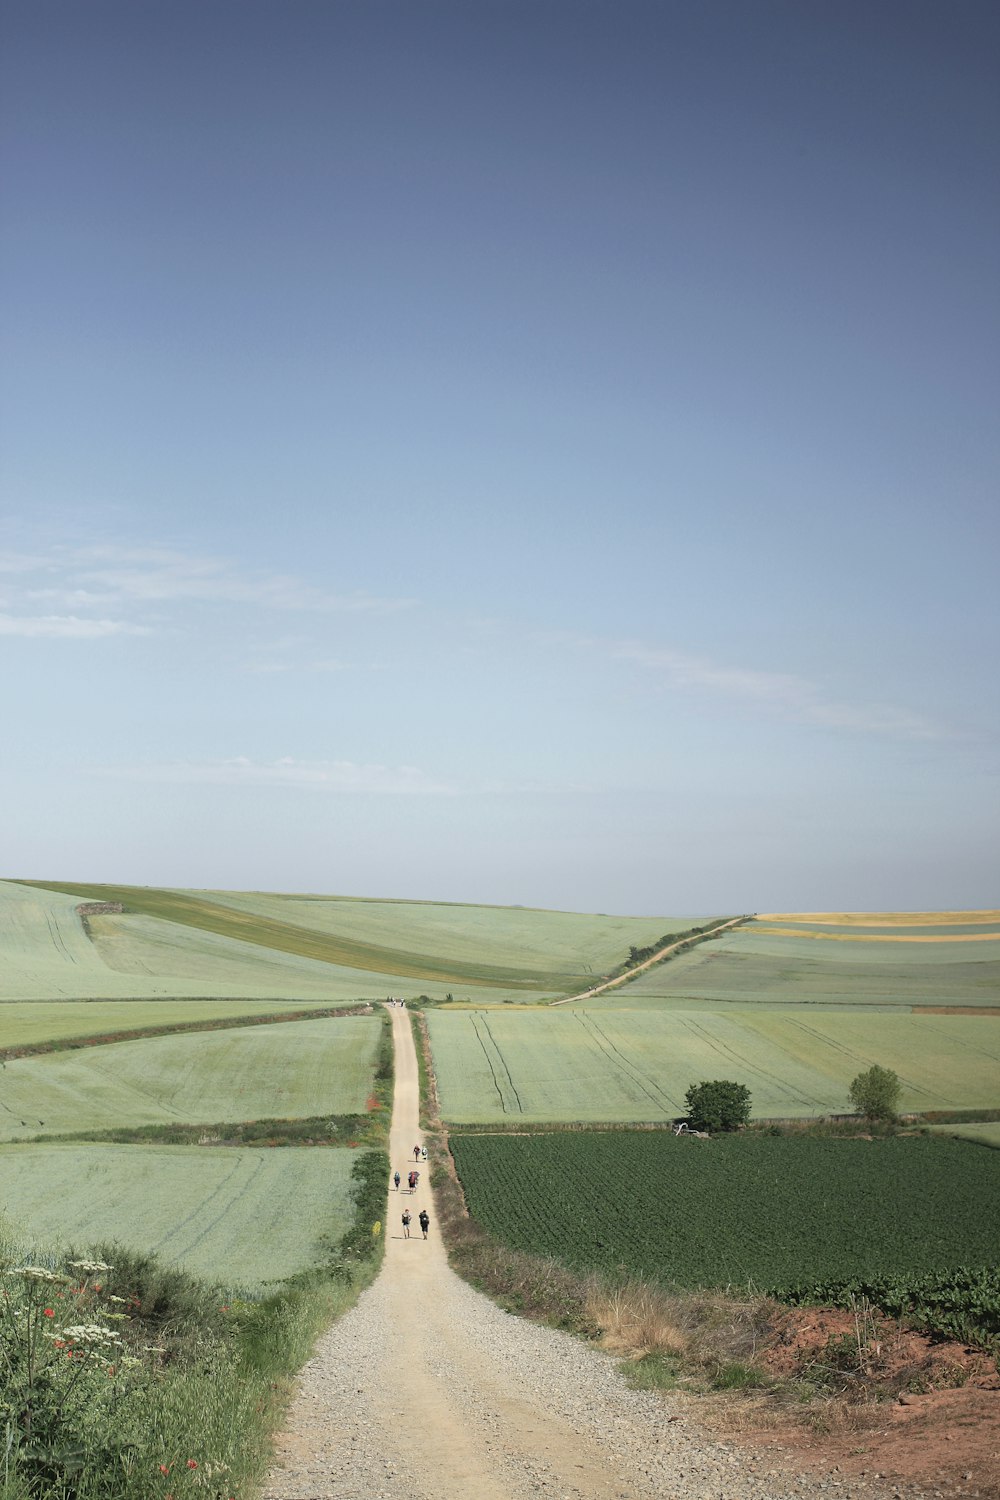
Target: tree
column 875, row 1093
column 719, row 1105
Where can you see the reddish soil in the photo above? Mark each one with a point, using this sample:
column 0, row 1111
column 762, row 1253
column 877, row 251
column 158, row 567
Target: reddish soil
column 913, row 1410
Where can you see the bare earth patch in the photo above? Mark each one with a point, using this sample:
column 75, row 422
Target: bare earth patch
column 916, row 1411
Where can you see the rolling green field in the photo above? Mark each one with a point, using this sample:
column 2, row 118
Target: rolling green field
column 948, row 964
column 33, row 1022
column 302, row 1068
column 46, row 954
column 765, row 1210
column 240, row 1216
column 234, row 944
column 986, row 1132
column 579, row 1063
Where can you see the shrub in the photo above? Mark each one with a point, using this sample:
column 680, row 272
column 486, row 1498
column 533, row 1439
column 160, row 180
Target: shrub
column 875, row 1093
column 719, row 1105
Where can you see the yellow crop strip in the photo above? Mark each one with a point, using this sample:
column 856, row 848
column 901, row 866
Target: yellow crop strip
column 879, row 937
column 884, row 918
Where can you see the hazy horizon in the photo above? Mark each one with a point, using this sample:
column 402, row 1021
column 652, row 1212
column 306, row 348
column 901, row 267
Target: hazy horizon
column 529, row 454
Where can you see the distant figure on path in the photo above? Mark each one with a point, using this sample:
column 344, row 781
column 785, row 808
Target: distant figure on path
column 423, row 1153
column 395, row 1180
column 416, row 1153
column 425, row 1221
column 411, row 1181
column 406, row 1223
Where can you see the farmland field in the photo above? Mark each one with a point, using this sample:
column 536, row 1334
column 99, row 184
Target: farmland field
column 986, row 1132
column 582, row 1063
column 951, row 964
column 772, row 1211
column 495, row 951
column 45, row 954
column 243, row 1217
column 301, row 1068
column 28, row 1023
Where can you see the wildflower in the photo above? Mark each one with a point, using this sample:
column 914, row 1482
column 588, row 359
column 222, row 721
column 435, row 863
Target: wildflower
column 37, row 1273
column 92, row 1333
column 48, row 1312
column 89, row 1265
column 165, row 1468
column 192, row 1463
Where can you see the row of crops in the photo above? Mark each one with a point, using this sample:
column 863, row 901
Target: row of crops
column 783, row 1214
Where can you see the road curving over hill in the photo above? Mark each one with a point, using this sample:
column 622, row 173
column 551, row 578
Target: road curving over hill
column 427, row 1390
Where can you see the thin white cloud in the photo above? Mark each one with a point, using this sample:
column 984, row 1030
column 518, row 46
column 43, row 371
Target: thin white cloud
column 342, row 777
column 110, row 589
column 795, row 697
column 65, row 627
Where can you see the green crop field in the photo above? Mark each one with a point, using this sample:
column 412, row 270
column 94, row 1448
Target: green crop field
column 582, row 1063
column 986, row 1132
column 46, row 954
column 242, row 1217
column 771, row 1211
column 809, row 964
column 379, row 947
column 33, row 1022
column 301, row 1068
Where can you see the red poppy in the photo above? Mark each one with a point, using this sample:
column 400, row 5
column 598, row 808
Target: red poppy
column 49, row 1313
column 192, row 1463
column 165, row 1468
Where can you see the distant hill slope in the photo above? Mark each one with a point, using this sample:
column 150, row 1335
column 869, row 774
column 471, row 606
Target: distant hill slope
column 368, row 947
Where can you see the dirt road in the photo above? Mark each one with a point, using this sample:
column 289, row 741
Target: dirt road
column 426, row 1389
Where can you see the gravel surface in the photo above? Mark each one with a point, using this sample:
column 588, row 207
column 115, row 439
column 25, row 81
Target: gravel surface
column 426, row 1389
column 352, row 1436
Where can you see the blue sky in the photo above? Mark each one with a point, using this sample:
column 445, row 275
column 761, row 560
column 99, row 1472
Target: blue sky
column 529, row 453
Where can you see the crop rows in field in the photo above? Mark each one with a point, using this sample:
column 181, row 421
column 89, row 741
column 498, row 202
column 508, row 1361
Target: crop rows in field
column 298, row 1069
column 771, row 1211
column 241, row 1216
column 587, row 1063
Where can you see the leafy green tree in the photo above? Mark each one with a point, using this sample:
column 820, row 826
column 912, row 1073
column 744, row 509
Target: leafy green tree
column 875, row 1093
column 719, row 1105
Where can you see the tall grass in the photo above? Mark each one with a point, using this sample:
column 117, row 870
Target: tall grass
column 122, row 1378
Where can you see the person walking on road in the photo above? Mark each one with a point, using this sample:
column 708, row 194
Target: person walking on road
column 396, row 1181
column 425, row 1221
column 416, row 1153
column 406, row 1223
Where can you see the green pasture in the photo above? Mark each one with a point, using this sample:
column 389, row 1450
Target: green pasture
column 747, row 966
column 300, row 1068
column 46, row 954
column 580, row 1063
column 31, row 1022
column 238, row 1216
column 746, row 1209
column 510, row 949
column 986, row 1132
column 561, row 948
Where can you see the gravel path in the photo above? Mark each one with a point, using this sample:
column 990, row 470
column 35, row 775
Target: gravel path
column 426, row 1389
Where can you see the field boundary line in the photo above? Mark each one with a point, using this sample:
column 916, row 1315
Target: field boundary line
column 143, row 1033
column 648, row 963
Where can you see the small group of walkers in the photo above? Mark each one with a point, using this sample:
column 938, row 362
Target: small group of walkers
column 423, row 1219
column 397, row 1004
column 412, row 1182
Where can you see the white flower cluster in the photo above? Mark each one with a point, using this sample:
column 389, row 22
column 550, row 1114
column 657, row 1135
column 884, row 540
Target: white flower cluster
column 89, row 1265
column 90, row 1333
column 38, row 1273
